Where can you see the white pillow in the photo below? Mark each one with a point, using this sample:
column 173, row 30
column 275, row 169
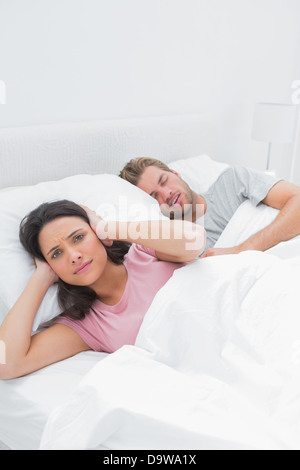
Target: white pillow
column 199, row 172
column 112, row 197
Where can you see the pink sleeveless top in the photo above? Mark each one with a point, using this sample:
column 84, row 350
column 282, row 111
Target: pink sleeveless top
column 107, row 328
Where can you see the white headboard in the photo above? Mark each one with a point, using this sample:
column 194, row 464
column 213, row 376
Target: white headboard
column 29, row 155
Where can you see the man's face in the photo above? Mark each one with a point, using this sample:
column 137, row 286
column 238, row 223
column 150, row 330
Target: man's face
column 172, row 194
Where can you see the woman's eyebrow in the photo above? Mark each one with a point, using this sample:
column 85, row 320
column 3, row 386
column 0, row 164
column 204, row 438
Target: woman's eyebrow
column 69, row 236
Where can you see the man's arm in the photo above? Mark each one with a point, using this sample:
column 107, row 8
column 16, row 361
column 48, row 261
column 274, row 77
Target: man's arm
column 285, row 197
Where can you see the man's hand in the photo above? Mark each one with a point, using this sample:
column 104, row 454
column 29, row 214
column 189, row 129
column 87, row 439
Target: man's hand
column 220, row 251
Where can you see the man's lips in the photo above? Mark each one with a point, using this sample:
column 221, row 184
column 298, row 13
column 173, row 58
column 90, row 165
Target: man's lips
column 83, row 267
column 174, row 200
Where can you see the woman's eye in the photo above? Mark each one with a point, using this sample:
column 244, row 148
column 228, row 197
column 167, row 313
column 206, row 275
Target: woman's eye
column 78, row 237
column 56, row 254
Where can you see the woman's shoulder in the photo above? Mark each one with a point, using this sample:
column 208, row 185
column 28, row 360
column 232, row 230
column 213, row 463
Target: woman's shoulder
column 139, row 253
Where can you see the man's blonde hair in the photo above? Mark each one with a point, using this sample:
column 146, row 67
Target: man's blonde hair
column 134, row 169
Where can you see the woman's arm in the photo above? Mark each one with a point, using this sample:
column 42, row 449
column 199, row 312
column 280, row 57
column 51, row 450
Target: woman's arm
column 172, row 240
column 25, row 353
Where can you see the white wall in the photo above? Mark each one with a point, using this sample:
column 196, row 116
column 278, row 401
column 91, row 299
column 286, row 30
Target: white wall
column 75, row 60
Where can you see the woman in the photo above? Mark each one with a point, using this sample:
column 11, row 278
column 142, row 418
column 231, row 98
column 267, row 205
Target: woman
column 104, row 287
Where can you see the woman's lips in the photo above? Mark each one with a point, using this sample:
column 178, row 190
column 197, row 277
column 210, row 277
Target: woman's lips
column 84, row 267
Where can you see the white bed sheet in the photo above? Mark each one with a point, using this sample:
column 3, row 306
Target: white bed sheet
column 179, row 398
column 137, row 399
column 3, row 446
column 215, row 365
column 26, row 402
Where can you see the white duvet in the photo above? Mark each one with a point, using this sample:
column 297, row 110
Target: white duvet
column 216, row 364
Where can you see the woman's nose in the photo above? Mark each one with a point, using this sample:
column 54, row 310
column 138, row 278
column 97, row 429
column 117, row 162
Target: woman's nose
column 76, row 258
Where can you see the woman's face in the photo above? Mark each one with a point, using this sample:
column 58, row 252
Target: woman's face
column 73, row 250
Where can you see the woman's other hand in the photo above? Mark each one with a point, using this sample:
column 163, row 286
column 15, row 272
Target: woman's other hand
column 45, row 272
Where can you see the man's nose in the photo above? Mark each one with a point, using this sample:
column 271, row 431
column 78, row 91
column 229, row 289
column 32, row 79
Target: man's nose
column 164, row 195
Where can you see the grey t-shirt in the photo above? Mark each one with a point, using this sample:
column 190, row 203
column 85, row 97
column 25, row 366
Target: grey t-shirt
column 233, row 187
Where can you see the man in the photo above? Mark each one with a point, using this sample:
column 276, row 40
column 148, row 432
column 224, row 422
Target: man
column 220, row 201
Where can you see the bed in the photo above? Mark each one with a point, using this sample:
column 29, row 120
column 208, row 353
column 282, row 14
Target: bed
column 231, row 378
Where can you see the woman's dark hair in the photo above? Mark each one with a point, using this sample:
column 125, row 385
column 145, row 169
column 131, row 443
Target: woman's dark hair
column 75, row 301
